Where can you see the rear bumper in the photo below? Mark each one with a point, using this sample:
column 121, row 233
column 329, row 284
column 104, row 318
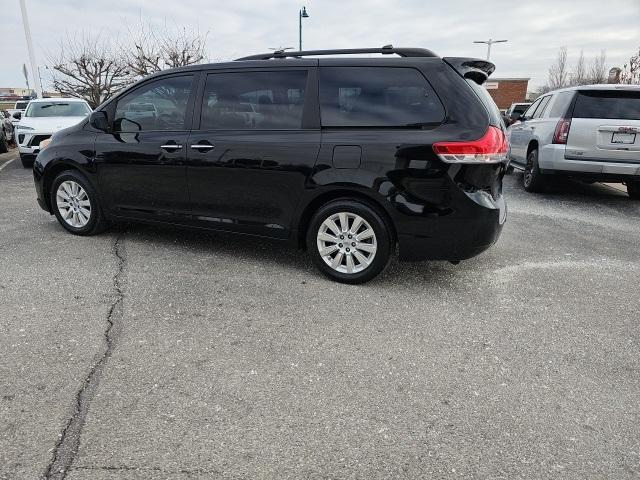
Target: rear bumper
column 551, row 159
column 472, row 225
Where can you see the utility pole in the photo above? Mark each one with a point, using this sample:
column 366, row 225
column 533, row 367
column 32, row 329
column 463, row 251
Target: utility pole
column 301, row 14
column 32, row 57
column 489, row 43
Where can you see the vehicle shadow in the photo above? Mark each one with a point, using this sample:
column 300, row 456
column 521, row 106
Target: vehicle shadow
column 269, row 252
column 566, row 187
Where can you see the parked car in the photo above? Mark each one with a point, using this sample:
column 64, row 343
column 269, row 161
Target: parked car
column 4, row 142
column 42, row 118
column 7, row 126
column 352, row 156
column 21, row 105
column 514, row 112
column 587, row 132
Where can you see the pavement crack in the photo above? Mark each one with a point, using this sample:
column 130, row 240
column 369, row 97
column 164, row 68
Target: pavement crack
column 68, row 442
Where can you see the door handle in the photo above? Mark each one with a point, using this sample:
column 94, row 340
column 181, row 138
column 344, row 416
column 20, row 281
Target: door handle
column 202, row 147
column 171, row 147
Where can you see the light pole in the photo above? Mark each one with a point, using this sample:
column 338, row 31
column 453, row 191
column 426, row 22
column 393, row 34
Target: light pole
column 32, row 57
column 489, row 43
column 301, row 14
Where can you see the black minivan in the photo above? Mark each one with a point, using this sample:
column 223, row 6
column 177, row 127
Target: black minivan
column 345, row 156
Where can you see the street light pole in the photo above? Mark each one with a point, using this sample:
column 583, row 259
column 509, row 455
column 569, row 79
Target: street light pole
column 489, row 43
column 301, row 14
column 32, row 57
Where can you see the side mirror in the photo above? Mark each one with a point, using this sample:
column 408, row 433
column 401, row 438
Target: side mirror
column 17, row 115
column 99, row 120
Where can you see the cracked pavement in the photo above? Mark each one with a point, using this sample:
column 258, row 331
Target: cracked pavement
column 155, row 353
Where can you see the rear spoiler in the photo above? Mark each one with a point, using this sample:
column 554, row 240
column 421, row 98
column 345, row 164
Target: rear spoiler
column 473, row 68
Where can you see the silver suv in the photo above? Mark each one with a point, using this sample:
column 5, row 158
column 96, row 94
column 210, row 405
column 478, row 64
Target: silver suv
column 589, row 132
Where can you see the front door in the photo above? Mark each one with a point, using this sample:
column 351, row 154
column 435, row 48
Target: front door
column 251, row 150
column 141, row 161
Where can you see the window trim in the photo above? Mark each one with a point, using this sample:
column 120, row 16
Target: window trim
column 310, row 109
column 112, row 106
column 544, row 103
column 382, row 127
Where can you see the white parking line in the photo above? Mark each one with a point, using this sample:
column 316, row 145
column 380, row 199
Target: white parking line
column 7, row 163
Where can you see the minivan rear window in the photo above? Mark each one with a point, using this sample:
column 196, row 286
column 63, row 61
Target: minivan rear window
column 377, row 97
column 622, row 105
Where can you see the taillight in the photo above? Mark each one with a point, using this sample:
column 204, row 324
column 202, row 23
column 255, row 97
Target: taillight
column 491, row 148
column 562, row 131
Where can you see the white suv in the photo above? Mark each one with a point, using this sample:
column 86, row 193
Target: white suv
column 44, row 117
column 590, row 132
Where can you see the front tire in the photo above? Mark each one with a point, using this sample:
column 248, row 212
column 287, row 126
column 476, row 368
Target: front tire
column 4, row 145
column 633, row 189
column 532, row 179
column 26, row 161
column 349, row 241
column 75, row 204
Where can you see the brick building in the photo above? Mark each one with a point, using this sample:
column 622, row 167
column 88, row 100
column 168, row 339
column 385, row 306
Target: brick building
column 506, row 91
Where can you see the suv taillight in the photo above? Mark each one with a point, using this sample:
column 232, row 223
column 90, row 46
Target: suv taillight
column 562, row 131
column 491, row 148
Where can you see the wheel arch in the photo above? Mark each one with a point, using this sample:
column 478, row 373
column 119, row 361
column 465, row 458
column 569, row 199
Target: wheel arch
column 52, row 172
column 341, row 192
column 533, row 144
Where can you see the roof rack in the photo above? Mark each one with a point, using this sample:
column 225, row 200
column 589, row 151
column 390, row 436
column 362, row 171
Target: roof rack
column 386, row 50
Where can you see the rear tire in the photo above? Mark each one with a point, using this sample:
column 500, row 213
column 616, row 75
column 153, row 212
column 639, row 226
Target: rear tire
column 26, row 162
column 4, row 146
column 75, row 204
column 633, row 189
column 533, row 180
column 355, row 238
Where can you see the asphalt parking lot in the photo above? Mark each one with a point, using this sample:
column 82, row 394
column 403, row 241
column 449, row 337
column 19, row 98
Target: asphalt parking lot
column 154, row 353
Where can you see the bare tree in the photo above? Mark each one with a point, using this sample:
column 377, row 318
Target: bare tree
column 156, row 49
column 579, row 74
column 598, row 69
column 558, row 73
column 89, row 67
column 631, row 70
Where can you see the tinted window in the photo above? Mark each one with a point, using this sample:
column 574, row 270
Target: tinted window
column 159, row 105
column 487, row 101
column 561, row 104
column 606, row 104
column 518, row 109
column 57, row 109
column 254, row 100
column 377, row 97
column 532, row 108
column 21, row 105
column 543, row 104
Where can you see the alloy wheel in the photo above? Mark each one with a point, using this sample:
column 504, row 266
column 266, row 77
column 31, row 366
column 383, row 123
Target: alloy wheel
column 528, row 171
column 346, row 242
column 73, row 204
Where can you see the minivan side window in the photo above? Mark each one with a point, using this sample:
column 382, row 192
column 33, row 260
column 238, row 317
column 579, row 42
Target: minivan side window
column 254, row 100
column 377, row 97
column 158, row 105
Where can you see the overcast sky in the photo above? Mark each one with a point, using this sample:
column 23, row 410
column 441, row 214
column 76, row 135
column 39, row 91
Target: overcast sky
column 535, row 28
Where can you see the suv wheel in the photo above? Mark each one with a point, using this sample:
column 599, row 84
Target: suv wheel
column 349, row 241
column 4, row 146
column 75, row 204
column 633, row 189
column 532, row 179
column 26, row 161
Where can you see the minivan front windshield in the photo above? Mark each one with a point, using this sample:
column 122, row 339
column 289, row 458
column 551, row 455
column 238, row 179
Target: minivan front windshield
column 57, row 109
